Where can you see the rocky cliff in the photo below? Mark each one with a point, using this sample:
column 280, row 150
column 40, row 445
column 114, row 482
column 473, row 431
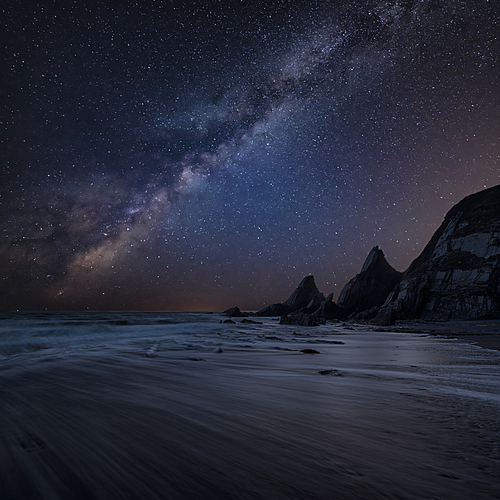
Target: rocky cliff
column 457, row 276
column 371, row 287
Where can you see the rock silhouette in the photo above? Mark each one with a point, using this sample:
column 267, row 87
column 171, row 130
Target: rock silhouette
column 305, row 297
column 233, row 312
column 457, row 276
column 371, row 287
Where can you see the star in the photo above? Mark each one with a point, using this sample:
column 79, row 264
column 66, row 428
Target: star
column 166, row 156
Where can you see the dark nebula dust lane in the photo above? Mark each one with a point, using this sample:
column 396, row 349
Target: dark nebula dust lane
column 177, row 156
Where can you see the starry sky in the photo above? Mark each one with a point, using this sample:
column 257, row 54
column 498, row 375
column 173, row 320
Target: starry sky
column 199, row 155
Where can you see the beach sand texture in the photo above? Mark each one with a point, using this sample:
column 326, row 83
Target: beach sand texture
column 112, row 408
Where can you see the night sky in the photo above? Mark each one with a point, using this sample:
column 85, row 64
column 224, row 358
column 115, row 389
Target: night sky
column 200, row 155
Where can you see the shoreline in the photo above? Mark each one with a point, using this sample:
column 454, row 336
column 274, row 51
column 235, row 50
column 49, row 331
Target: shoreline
column 483, row 333
column 197, row 410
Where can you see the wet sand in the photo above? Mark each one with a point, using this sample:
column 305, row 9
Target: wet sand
column 394, row 415
column 485, row 333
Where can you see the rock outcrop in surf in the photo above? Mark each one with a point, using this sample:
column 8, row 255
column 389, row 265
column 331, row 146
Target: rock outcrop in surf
column 235, row 312
column 457, row 276
column 371, row 287
column 305, row 298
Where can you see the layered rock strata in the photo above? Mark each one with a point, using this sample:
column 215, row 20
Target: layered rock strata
column 457, row 276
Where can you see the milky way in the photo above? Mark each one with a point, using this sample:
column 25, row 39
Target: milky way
column 162, row 155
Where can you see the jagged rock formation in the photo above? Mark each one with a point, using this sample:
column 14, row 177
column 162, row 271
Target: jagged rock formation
column 234, row 312
column 305, row 298
column 307, row 306
column 371, row 287
column 327, row 309
column 457, row 276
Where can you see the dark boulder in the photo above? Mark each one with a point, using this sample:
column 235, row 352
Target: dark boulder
column 330, row 372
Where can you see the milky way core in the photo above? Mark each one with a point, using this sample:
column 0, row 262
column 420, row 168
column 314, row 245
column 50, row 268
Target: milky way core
column 199, row 155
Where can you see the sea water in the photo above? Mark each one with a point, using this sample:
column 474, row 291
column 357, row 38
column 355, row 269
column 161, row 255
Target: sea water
column 29, row 336
column 180, row 405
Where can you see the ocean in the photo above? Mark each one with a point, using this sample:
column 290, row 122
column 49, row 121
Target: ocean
column 179, row 405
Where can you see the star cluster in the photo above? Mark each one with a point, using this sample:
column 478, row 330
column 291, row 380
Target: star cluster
column 195, row 155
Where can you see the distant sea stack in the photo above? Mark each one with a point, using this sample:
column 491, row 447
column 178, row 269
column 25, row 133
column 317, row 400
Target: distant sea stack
column 305, row 298
column 457, row 276
column 368, row 290
column 235, row 312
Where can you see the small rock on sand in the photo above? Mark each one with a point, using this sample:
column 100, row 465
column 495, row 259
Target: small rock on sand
column 330, row 372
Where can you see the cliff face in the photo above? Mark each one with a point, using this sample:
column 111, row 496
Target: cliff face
column 457, row 276
column 371, row 287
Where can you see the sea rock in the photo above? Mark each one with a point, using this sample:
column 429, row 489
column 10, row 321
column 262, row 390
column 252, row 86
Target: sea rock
column 457, row 276
column 328, row 309
column 371, row 287
column 251, row 321
column 305, row 297
column 330, row 372
column 366, row 315
column 234, row 312
column 301, row 319
column 385, row 316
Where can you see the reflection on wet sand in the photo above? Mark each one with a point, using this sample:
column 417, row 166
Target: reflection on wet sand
column 383, row 415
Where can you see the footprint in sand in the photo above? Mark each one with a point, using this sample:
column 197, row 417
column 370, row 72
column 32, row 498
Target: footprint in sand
column 30, row 443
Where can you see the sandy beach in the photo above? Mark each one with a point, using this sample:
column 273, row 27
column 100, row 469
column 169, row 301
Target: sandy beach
column 254, row 412
column 484, row 334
